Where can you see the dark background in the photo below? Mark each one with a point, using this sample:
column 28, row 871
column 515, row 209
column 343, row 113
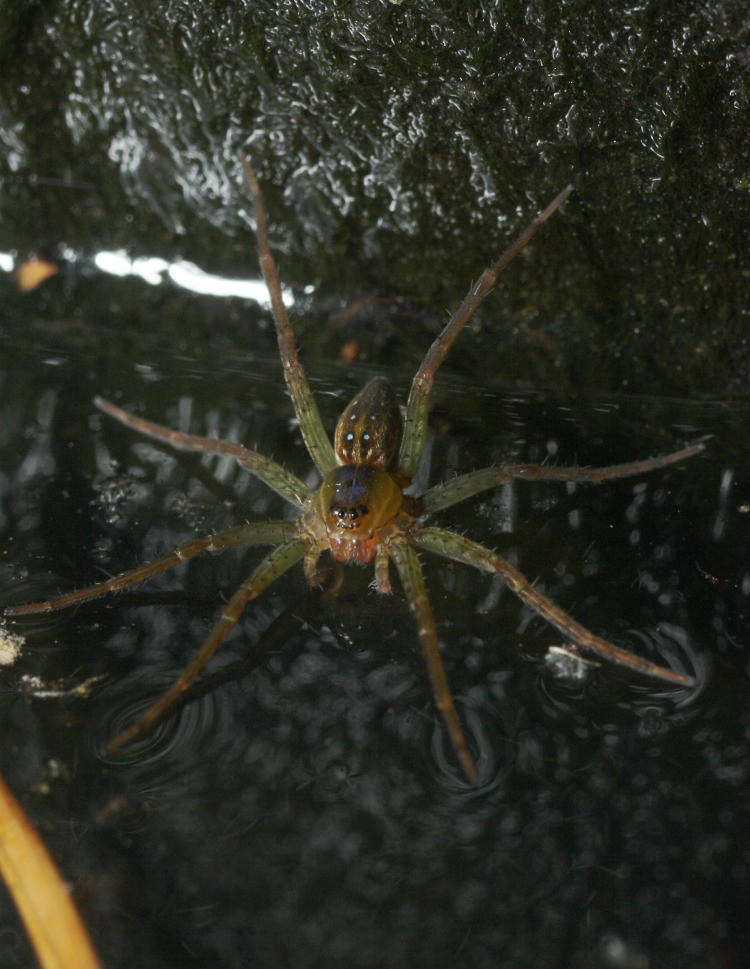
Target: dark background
column 306, row 811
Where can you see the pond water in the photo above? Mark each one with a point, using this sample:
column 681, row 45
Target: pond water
column 303, row 806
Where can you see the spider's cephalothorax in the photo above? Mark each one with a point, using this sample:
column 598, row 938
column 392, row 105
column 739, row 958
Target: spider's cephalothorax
column 359, row 498
column 360, row 512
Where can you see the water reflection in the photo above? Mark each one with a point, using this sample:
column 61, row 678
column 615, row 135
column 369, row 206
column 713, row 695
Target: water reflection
column 155, row 271
column 308, row 783
column 164, row 746
column 492, row 750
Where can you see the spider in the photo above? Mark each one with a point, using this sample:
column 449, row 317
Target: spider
column 361, row 511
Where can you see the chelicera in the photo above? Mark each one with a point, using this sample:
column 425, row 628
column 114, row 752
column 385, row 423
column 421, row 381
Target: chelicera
column 361, row 512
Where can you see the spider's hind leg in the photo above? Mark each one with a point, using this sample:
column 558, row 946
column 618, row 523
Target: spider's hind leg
column 316, row 440
column 418, row 404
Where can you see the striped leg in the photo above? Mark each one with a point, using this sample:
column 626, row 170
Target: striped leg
column 417, row 407
column 467, row 485
column 259, row 533
column 316, row 440
column 453, row 546
column 410, row 573
column 273, row 565
column 269, row 472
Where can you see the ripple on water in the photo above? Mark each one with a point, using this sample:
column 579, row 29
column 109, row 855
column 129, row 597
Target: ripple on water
column 671, row 645
column 561, row 696
column 489, row 739
column 35, row 588
column 175, row 736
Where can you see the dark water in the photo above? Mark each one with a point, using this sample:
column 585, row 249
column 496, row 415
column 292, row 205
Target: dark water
column 304, row 808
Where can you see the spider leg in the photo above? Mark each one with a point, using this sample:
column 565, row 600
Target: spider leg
column 417, row 406
column 316, row 440
column 316, row 578
column 410, row 573
column 258, row 533
column 283, row 482
column 453, row 546
column 273, row 565
column 466, row 485
column 382, row 581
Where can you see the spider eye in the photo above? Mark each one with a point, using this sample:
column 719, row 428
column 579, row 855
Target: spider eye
column 347, row 516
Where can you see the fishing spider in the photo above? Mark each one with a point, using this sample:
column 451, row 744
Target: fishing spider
column 360, row 512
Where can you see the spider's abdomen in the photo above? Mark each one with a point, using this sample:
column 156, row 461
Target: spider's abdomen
column 369, row 430
column 355, row 500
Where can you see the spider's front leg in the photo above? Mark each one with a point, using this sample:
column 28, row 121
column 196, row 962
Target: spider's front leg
column 293, row 546
column 283, row 482
column 451, row 545
column 412, row 580
column 273, row 565
column 259, row 533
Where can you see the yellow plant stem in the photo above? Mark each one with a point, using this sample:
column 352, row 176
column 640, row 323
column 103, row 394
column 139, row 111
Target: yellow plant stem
column 41, row 896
